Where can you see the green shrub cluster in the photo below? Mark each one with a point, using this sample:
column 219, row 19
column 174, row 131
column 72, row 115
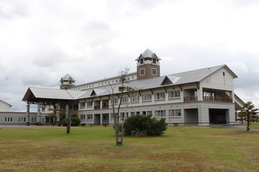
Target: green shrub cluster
column 74, row 121
column 152, row 126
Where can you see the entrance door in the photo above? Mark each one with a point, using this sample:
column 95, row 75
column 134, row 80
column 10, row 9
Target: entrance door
column 97, row 120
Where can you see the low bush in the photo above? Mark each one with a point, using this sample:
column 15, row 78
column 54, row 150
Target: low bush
column 83, row 124
column 74, row 121
column 151, row 125
column 38, row 123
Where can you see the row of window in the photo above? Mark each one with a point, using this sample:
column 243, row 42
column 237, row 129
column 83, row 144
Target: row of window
column 153, row 61
column 102, row 83
column 153, row 71
column 10, row 119
column 173, row 114
column 159, row 96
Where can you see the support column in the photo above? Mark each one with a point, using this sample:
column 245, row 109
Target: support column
column 38, row 114
column 101, row 104
column 28, row 115
column 67, row 107
column 101, row 119
column 58, row 113
column 200, row 94
column 203, row 115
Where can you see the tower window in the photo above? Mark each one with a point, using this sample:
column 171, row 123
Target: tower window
column 142, row 72
column 141, row 61
column 154, row 60
column 223, row 73
column 154, row 72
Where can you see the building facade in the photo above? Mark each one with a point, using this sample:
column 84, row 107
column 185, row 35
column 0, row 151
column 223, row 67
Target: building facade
column 199, row 97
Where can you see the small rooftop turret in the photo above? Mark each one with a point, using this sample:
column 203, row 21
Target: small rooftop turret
column 66, row 82
column 148, row 65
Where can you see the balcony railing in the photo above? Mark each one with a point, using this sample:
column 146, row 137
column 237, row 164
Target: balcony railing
column 208, row 99
column 97, row 107
column 190, row 99
column 217, row 99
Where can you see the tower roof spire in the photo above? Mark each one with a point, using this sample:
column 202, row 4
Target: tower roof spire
column 148, row 54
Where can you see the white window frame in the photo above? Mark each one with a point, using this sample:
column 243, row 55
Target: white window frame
column 134, row 98
column 174, row 94
column 116, row 101
column 89, row 117
column 154, row 69
column 160, row 114
column 124, row 99
column 175, row 113
column 142, row 72
column 147, row 97
column 160, row 96
column 82, row 116
column 89, row 104
column 82, row 105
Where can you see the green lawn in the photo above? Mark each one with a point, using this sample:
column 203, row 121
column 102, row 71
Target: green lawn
column 45, row 148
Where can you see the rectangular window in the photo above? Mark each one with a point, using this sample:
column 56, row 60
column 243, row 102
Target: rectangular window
column 113, row 115
column 142, row 72
column 122, row 115
column 154, row 71
column 160, row 96
column 82, row 105
column 116, row 101
column 43, row 108
column 175, row 113
column 160, row 114
column 82, row 116
column 173, row 95
column 124, row 100
column 89, row 104
column 147, row 97
column 134, row 98
column 89, row 117
column 132, row 113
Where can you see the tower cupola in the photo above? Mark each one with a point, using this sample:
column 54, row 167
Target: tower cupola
column 148, row 65
column 66, row 82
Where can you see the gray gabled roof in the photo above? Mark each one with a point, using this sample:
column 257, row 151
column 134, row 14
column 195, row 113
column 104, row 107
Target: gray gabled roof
column 143, row 84
column 198, row 75
column 47, row 93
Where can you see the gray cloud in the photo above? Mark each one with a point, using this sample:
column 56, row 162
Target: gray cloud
column 41, row 41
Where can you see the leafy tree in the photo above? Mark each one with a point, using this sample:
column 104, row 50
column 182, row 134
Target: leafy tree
column 248, row 113
column 74, row 121
column 147, row 123
column 51, row 116
column 62, row 113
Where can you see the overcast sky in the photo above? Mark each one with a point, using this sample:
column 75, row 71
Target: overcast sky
column 43, row 40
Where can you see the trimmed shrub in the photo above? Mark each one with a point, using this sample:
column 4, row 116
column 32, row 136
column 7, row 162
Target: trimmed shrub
column 74, row 121
column 152, row 126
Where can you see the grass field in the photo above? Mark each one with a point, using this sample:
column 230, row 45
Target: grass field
column 181, row 148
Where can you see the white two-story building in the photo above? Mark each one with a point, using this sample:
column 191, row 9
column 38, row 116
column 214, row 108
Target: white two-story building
column 199, row 97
